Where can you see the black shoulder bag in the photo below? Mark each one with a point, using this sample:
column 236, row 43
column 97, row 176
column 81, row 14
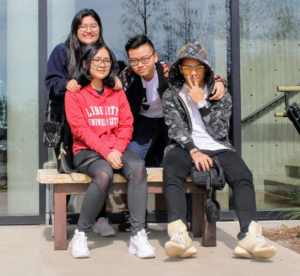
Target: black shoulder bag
column 214, row 179
column 52, row 131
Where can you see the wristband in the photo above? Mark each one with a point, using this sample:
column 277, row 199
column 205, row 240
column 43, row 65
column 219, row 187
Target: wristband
column 202, row 104
column 194, row 152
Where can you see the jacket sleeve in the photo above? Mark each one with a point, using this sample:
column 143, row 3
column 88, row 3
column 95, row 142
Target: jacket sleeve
column 126, row 78
column 175, row 123
column 125, row 124
column 221, row 79
column 57, row 76
column 217, row 117
column 80, row 127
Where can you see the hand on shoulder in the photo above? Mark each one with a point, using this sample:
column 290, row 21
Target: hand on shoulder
column 73, row 86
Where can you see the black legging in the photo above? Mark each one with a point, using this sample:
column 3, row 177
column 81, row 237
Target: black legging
column 177, row 166
column 101, row 173
column 102, row 213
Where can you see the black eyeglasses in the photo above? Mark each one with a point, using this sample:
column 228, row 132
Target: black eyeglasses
column 143, row 60
column 98, row 62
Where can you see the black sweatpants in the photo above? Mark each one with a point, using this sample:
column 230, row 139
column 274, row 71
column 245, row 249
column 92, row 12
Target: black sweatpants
column 177, row 166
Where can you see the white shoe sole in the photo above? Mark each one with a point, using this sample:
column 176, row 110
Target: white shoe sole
column 109, row 234
column 242, row 253
column 81, row 256
column 264, row 253
column 132, row 250
column 189, row 253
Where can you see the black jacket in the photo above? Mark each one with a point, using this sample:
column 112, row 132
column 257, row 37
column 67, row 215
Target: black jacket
column 133, row 86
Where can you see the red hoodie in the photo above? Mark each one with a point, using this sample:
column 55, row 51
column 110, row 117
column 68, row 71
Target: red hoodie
column 100, row 123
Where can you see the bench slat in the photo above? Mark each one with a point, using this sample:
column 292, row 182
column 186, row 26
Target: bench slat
column 51, row 176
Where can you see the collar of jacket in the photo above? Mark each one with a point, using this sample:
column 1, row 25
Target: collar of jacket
column 162, row 80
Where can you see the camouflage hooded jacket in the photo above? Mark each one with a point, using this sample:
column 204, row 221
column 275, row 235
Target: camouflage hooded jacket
column 215, row 118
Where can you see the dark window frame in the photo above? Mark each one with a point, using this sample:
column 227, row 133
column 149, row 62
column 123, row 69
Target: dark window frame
column 42, row 98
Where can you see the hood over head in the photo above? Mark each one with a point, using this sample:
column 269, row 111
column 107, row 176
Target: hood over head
column 193, row 49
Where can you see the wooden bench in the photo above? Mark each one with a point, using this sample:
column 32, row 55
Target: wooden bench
column 77, row 184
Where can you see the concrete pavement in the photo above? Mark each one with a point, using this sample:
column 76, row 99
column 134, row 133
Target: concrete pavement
column 28, row 250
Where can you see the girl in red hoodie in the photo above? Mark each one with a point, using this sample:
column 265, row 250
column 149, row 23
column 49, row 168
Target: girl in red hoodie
column 101, row 124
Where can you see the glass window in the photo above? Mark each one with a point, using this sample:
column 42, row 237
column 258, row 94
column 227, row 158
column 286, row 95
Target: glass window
column 169, row 24
column 270, row 56
column 19, row 191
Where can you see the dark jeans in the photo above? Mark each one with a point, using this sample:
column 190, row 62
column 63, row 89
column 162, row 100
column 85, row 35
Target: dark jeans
column 177, row 166
column 101, row 173
column 145, row 133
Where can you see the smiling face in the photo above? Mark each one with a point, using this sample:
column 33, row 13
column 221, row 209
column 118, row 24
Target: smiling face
column 88, row 31
column 100, row 65
column 146, row 71
column 192, row 63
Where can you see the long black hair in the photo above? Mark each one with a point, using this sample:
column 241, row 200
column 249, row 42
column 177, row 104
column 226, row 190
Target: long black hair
column 73, row 46
column 82, row 73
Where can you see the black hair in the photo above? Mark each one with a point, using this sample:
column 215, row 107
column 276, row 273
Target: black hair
column 137, row 41
column 82, row 73
column 73, row 46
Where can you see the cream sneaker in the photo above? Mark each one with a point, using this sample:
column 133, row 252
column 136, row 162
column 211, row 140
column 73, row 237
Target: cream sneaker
column 254, row 244
column 180, row 240
column 189, row 252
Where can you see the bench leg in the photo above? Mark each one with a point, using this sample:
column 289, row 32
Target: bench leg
column 196, row 219
column 60, row 217
column 209, row 234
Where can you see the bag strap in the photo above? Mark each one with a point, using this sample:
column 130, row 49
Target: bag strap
column 209, row 188
column 47, row 112
column 218, row 166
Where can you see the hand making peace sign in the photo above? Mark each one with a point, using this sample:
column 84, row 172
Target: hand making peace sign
column 195, row 92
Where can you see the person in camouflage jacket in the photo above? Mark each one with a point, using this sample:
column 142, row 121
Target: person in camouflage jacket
column 198, row 130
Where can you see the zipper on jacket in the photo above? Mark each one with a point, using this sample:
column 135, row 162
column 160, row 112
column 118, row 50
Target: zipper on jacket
column 187, row 113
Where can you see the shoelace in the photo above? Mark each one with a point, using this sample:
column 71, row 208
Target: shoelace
column 77, row 238
column 105, row 220
column 145, row 238
column 178, row 236
column 259, row 237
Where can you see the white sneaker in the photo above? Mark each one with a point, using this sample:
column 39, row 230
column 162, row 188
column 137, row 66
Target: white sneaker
column 140, row 246
column 103, row 228
column 79, row 245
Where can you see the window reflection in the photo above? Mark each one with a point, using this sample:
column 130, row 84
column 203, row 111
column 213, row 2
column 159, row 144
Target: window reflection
column 270, row 33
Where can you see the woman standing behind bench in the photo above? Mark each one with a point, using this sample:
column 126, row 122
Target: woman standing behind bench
column 86, row 28
column 101, row 123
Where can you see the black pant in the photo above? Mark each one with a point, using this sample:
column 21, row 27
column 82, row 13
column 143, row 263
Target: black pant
column 177, row 166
